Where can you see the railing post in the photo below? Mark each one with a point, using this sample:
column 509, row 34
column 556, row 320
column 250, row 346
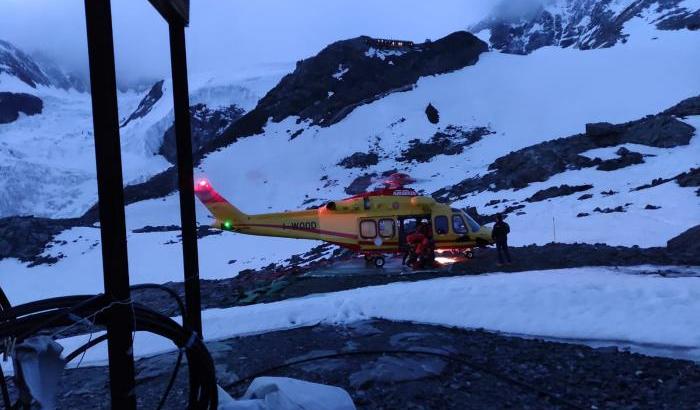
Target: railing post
column 115, row 263
column 183, row 138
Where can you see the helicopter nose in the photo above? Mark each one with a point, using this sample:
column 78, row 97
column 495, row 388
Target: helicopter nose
column 485, row 233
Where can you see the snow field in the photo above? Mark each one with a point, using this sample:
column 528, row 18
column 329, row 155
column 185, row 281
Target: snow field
column 606, row 305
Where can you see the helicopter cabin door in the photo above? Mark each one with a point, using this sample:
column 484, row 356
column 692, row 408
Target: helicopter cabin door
column 407, row 225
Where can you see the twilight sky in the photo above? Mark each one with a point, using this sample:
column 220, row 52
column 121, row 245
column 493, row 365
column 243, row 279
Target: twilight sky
column 227, row 34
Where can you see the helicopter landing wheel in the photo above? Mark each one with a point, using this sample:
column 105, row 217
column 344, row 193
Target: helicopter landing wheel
column 379, row 261
column 469, row 254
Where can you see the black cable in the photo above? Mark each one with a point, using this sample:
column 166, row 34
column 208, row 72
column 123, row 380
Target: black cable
column 46, row 315
column 171, row 382
column 172, row 293
column 522, row 384
column 91, row 343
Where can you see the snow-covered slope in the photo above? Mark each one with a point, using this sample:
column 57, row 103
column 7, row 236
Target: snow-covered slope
column 524, row 100
column 524, row 26
column 597, row 306
column 47, row 160
column 520, row 100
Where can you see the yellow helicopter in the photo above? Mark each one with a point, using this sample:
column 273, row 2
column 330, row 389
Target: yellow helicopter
column 373, row 223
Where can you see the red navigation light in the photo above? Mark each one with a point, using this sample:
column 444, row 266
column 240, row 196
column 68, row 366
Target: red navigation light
column 202, row 184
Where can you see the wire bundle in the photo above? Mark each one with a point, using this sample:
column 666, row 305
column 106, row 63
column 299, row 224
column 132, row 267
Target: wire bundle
column 62, row 313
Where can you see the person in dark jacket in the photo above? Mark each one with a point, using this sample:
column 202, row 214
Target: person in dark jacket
column 499, row 234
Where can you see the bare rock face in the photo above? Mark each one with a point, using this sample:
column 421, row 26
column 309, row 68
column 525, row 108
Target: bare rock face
column 325, row 88
column 146, row 104
column 206, row 124
column 556, row 191
column 539, row 162
column 432, row 114
column 522, row 27
column 625, row 158
column 16, row 63
column 11, row 104
column 689, row 106
column 360, row 160
column 452, row 140
column 687, row 243
column 25, row 237
column 360, row 184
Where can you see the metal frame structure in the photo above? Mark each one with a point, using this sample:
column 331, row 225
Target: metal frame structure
column 110, row 185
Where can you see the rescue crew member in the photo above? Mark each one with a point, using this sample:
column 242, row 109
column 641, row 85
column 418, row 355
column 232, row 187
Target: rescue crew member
column 414, row 240
column 499, row 234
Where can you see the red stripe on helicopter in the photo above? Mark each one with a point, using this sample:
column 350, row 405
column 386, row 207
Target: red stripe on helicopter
column 312, row 230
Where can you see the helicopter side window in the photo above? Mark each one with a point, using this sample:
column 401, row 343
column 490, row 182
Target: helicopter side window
column 458, row 225
column 368, row 229
column 386, row 228
column 442, row 226
column 473, row 225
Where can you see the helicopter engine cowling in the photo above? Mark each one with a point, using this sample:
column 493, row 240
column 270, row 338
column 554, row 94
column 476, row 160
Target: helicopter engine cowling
column 422, row 201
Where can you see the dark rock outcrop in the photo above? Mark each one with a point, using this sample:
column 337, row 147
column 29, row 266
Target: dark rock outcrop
column 523, row 28
column 625, row 158
column 16, row 63
column 661, row 131
column 11, row 104
column 360, row 160
column 160, row 228
column 325, row 88
column 654, row 182
column 206, row 124
column 687, row 243
column 432, row 114
column 147, row 102
column 556, row 191
column 618, row 208
column 451, row 141
column 687, row 107
column 690, row 178
column 158, row 186
column 26, row 237
column 360, row 184
column 539, row 162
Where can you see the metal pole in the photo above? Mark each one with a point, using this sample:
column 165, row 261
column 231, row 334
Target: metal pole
column 115, row 264
column 183, row 138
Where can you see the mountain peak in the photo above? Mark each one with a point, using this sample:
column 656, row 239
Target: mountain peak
column 36, row 70
column 522, row 27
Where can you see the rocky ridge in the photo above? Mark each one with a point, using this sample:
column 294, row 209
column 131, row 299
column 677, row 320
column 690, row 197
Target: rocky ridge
column 584, row 24
column 325, row 88
column 537, row 163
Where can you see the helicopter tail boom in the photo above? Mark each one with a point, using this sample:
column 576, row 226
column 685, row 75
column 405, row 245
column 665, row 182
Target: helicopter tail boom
column 227, row 216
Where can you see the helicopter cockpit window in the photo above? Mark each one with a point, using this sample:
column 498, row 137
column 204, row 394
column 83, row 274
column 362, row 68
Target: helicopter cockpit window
column 386, row 228
column 473, row 225
column 368, row 229
column 441, row 225
column 458, row 225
